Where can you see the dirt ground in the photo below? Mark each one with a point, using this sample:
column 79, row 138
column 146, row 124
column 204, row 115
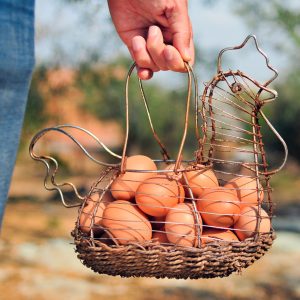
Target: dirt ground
column 37, row 261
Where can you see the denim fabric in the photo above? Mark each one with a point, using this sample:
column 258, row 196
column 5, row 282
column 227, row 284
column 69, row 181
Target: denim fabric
column 16, row 64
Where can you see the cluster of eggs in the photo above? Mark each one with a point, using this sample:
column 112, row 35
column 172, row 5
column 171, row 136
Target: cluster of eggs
column 141, row 206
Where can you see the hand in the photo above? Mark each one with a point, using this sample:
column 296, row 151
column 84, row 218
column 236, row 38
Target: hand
column 158, row 33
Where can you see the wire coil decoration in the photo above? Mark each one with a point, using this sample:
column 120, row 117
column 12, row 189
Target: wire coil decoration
column 183, row 218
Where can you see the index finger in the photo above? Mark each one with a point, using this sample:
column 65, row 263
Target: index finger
column 180, row 28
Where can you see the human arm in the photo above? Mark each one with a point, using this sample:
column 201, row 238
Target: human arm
column 158, row 33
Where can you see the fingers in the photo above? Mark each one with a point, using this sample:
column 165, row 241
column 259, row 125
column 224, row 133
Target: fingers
column 145, row 64
column 154, row 55
column 173, row 59
column 151, row 53
column 144, row 74
column 156, row 46
column 141, row 54
column 180, row 27
column 192, row 47
column 165, row 57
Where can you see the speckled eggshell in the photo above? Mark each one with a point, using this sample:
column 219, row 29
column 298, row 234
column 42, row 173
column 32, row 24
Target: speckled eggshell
column 126, row 222
column 246, row 224
column 125, row 185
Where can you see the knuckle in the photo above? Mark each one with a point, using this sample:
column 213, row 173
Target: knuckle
column 177, row 67
column 143, row 62
column 151, row 47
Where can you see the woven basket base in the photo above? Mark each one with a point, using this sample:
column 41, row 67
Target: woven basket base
column 218, row 259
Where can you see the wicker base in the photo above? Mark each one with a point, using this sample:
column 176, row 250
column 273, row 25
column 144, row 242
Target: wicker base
column 153, row 260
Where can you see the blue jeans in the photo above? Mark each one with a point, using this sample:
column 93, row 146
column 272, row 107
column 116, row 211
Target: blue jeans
column 16, row 65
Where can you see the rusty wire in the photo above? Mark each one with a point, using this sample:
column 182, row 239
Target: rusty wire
column 228, row 128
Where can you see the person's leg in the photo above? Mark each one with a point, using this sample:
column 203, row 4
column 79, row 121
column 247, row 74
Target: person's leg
column 16, row 64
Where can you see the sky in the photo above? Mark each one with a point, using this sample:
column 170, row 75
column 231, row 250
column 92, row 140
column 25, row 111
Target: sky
column 78, row 29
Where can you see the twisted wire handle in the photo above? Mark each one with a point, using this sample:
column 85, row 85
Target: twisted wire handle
column 52, row 164
column 166, row 156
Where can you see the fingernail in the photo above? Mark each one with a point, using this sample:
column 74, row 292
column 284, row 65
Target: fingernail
column 187, row 54
column 136, row 46
column 153, row 30
column 168, row 54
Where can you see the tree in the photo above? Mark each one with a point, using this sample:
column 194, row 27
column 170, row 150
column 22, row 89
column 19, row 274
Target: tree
column 284, row 16
column 104, row 92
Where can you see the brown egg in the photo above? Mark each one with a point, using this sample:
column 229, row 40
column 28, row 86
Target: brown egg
column 212, row 235
column 160, row 236
column 126, row 222
column 246, row 225
column 181, row 225
column 245, row 188
column 156, row 195
column 201, row 180
column 125, row 185
column 92, row 208
column 219, row 207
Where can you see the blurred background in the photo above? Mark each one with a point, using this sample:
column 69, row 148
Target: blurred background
column 79, row 78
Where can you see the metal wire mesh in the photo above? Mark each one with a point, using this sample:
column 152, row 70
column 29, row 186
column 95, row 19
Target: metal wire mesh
column 218, row 202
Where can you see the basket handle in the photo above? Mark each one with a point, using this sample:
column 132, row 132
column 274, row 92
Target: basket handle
column 52, row 164
column 166, row 156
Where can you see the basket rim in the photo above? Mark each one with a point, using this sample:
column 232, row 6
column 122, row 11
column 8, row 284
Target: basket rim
column 151, row 245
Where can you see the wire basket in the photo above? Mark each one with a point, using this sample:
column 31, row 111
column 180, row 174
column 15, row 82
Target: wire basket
column 201, row 218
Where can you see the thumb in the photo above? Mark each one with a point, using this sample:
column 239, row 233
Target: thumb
column 180, row 28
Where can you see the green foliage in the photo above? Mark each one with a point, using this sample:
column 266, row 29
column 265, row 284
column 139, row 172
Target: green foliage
column 288, row 20
column 104, row 93
column 103, row 89
column 279, row 19
column 282, row 20
column 284, row 115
